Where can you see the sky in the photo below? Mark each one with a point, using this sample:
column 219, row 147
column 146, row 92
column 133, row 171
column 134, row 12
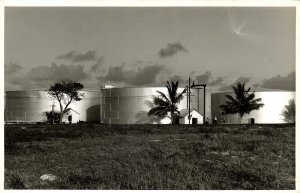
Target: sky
column 146, row 46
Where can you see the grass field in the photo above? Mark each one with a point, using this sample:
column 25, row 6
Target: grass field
column 91, row 156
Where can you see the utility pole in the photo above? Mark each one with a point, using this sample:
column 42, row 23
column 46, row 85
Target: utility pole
column 189, row 102
column 204, row 96
column 187, row 97
column 198, row 108
column 52, row 114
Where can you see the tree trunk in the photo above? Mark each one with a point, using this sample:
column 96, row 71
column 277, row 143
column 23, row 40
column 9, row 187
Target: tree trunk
column 52, row 117
column 173, row 118
column 239, row 118
column 61, row 114
column 60, row 117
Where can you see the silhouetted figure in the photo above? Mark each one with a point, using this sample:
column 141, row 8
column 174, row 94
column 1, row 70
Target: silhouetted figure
column 215, row 120
column 206, row 121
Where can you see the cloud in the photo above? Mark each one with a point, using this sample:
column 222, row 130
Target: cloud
column 240, row 79
column 141, row 76
column 12, row 71
column 203, row 78
column 216, row 82
column 44, row 76
column 171, row 50
column 78, row 57
column 11, row 68
column 58, row 72
column 115, row 74
column 146, row 75
column 281, row 82
column 176, row 78
column 199, row 79
column 97, row 65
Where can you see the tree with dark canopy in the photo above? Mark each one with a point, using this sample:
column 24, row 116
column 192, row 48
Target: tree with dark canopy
column 167, row 104
column 65, row 92
column 242, row 103
column 289, row 112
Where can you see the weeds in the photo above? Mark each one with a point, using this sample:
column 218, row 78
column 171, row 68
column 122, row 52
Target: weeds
column 139, row 157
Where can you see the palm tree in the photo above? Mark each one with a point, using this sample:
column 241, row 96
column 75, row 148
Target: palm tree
column 243, row 102
column 289, row 112
column 167, row 104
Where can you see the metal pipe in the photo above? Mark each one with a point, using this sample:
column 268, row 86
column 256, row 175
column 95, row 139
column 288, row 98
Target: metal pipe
column 198, row 105
column 204, row 104
column 187, row 97
column 203, row 85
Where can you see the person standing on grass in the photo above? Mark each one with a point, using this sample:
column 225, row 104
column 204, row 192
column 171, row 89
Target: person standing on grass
column 207, row 121
column 215, row 120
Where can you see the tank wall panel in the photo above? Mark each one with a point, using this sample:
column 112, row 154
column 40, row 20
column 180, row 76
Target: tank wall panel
column 106, row 107
column 124, row 106
column 195, row 100
column 274, row 103
column 112, row 100
column 132, row 105
column 29, row 106
column 111, row 114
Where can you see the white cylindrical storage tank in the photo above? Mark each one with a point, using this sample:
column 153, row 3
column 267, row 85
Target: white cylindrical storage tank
column 30, row 106
column 274, row 102
column 197, row 101
column 26, row 106
column 130, row 105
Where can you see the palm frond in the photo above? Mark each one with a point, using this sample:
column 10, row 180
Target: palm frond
column 164, row 96
column 180, row 96
column 242, row 103
column 160, row 102
column 289, row 112
column 158, row 111
column 164, row 104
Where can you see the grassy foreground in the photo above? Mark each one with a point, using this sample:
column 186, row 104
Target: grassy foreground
column 150, row 157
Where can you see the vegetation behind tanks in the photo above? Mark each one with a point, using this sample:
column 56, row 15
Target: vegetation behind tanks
column 89, row 156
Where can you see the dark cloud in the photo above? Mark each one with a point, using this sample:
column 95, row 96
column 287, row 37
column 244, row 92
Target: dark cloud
column 146, row 75
column 58, row 72
column 216, row 82
column 44, row 76
column 11, row 68
column 281, row 82
column 97, row 65
column 192, row 73
column 199, row 79
column 142, row 62
column 78, row 57
column 203, row 78
column 171, row 50
column 115, row 74
column 240, row 79
column 257, row 85
column 141, row 76
column 177, row 78
column 12, row 72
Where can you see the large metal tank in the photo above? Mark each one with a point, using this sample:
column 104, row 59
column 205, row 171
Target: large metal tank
column 197, row 101
column 30, row 106
column 130, row 105
column 273, row 100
